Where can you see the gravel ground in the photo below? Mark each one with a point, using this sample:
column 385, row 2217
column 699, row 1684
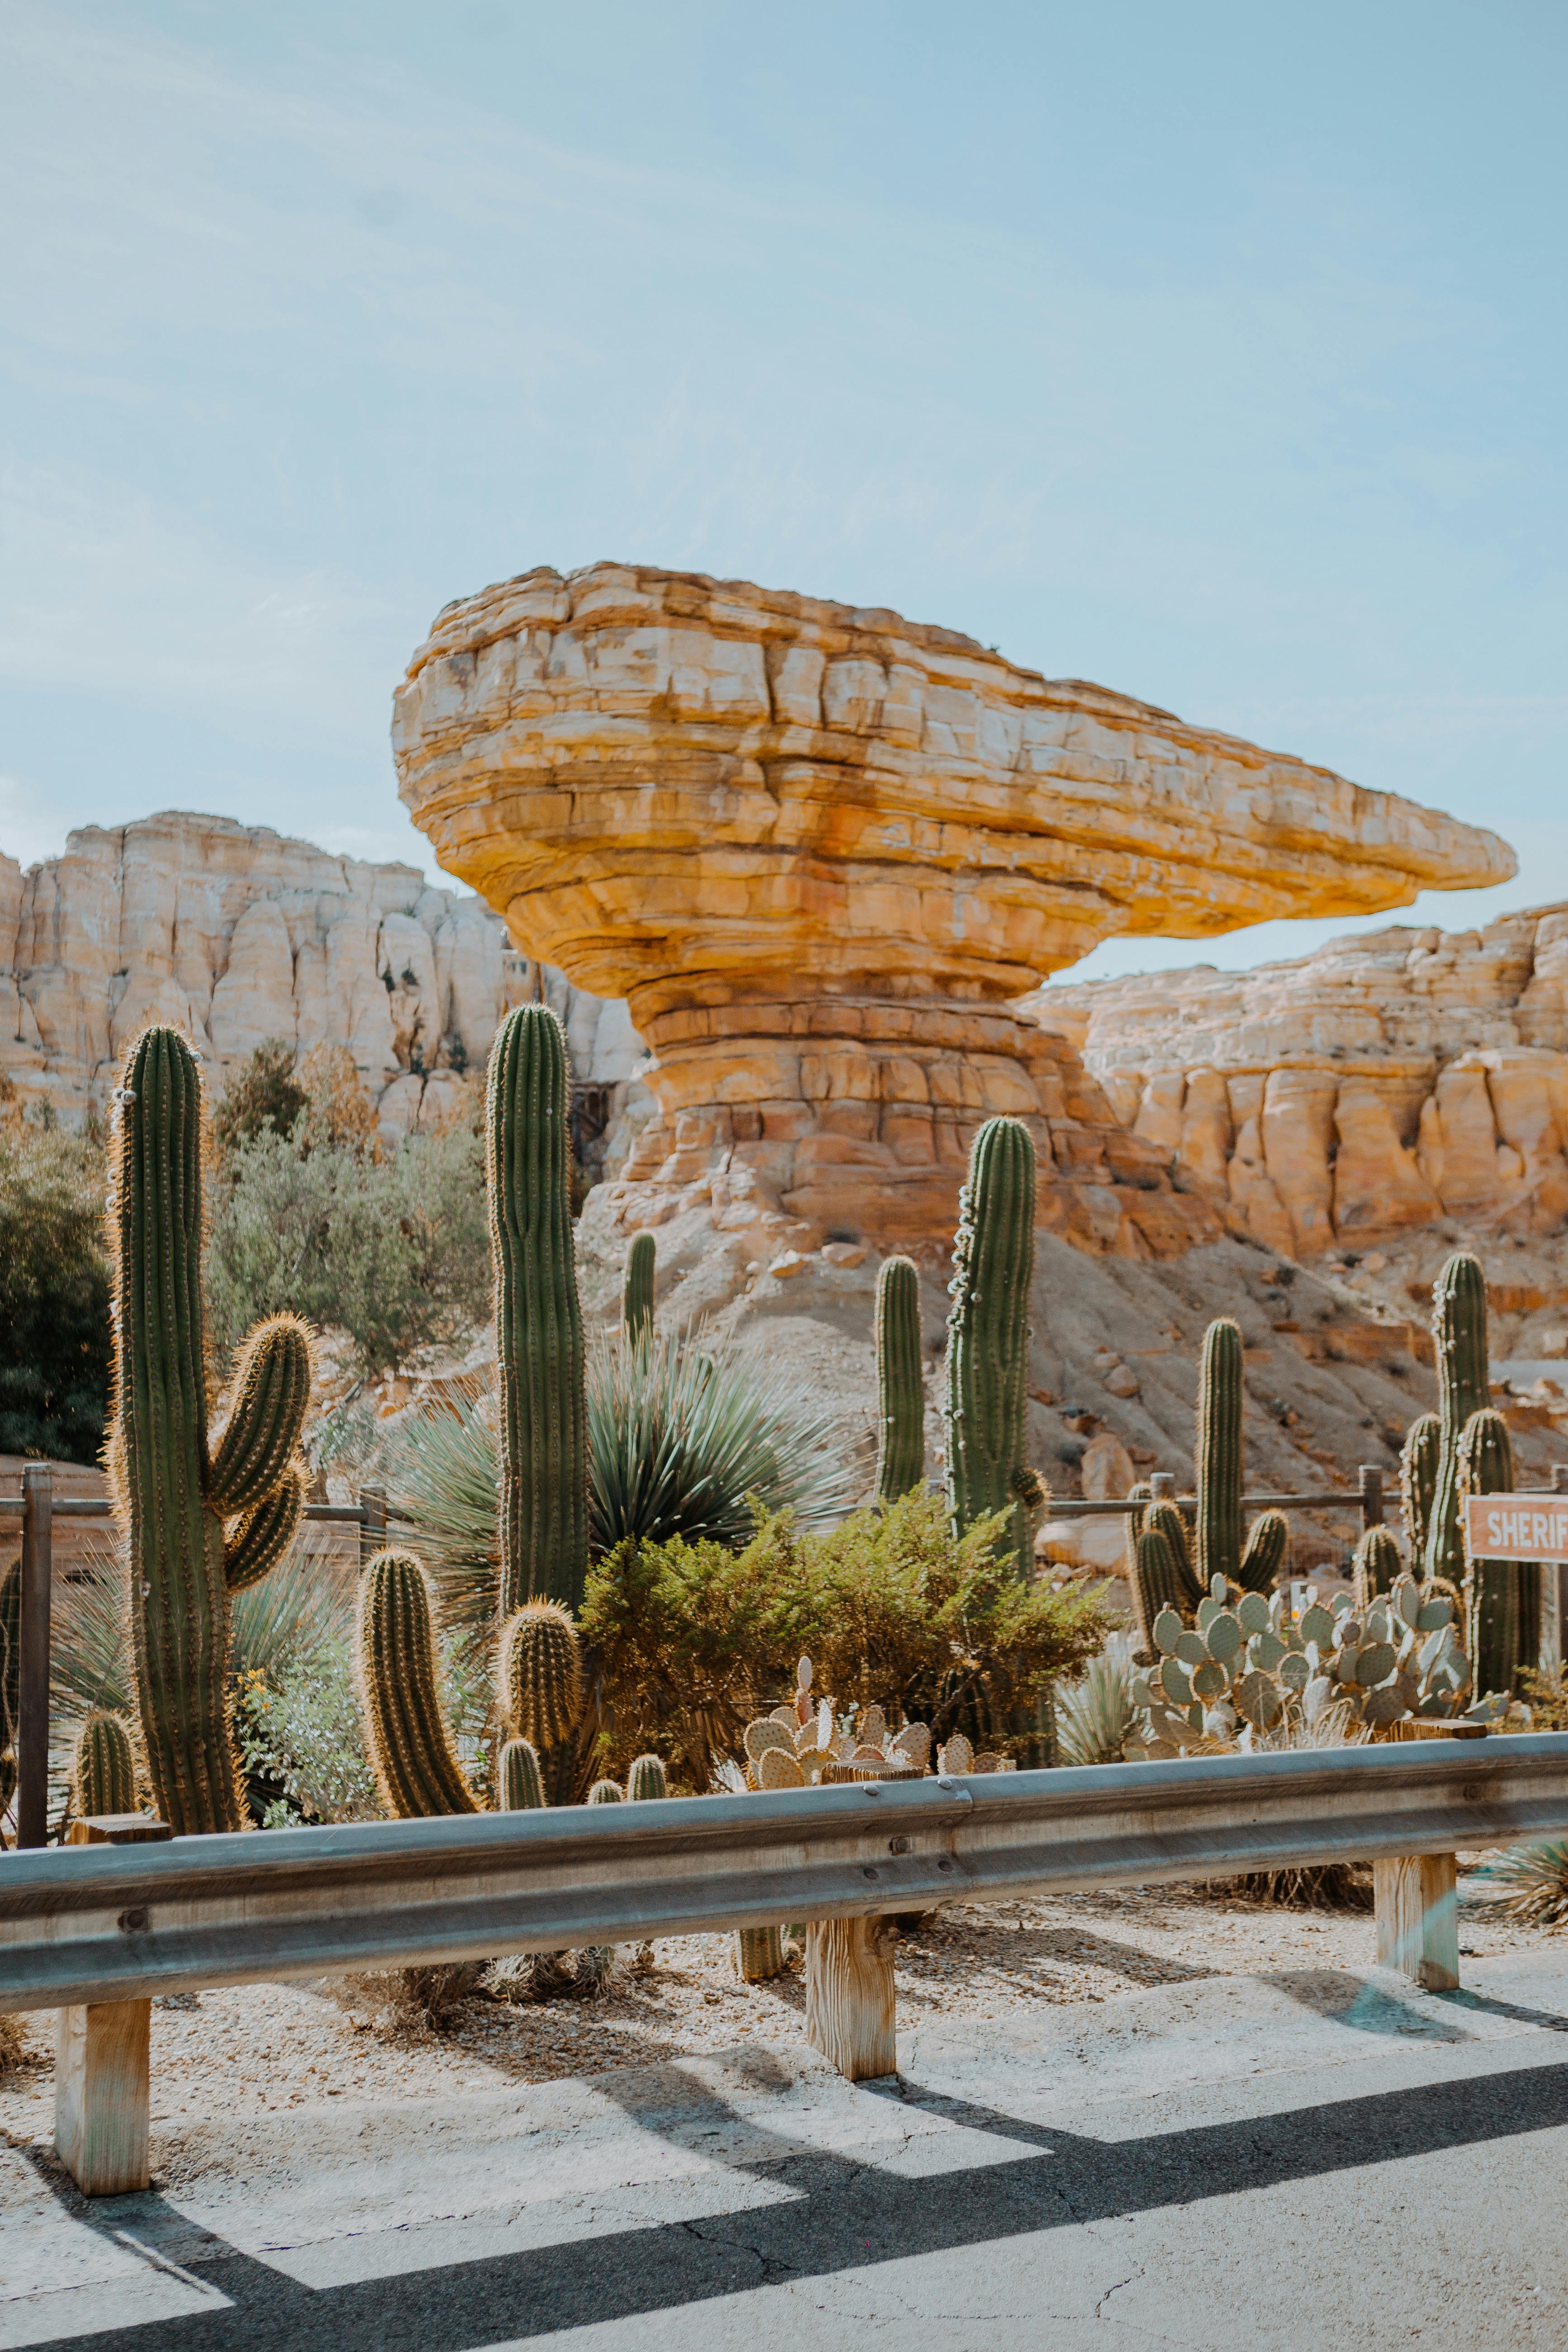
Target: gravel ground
column 264, row 2048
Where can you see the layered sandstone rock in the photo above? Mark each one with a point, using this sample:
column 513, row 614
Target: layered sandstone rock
column 1385, row 1084
column 818, row 848
column 236, row 935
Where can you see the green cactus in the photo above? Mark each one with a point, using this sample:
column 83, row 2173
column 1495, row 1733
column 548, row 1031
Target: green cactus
column 1168, row 1519
column 1377, row 1565
column 1502, row 1596
column 1459, row 1338
column 103, row 1769
column 900, row 1382
column 1268, row 1549
column 10, row 1678
column 541, row 1673
column 606, row 1792
column 538, row 1316
column 646, row 1778
column 759, row 1953
column 1219, row 1454
column 988, row 1334
column 1157, row 1581
column 519, row 1778
column 1418, row 1464
column 636, row 1295
column 173, row 1496
column 410, row 1748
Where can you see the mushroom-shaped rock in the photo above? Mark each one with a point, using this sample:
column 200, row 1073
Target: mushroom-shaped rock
column 819, row 848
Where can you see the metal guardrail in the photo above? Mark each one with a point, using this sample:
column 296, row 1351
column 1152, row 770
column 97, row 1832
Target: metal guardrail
column 115, row 1923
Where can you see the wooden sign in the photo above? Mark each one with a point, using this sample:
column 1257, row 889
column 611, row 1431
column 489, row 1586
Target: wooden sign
column 1517, row 1527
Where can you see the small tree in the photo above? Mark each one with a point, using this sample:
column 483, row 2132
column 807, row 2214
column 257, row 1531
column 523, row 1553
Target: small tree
column 263, row 1096
column 53, row 1293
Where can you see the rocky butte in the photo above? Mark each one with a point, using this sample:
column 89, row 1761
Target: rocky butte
column 822, row 851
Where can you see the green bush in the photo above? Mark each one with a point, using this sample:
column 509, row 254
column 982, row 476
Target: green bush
column 300, row 1733
column 892, row 1609
column 393, row 1252
column 55, row 1343
column 263, row 1096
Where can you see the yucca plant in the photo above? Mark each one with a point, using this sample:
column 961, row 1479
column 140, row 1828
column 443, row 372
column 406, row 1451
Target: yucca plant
column 1530, row 1883
column 1095, row 1714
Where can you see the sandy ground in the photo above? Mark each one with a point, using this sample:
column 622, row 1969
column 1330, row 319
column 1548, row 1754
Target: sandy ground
column 266, row 2048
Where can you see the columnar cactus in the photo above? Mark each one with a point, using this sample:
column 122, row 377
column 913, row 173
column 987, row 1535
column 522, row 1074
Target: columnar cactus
column 646, row 1779
column 637, row 1293
column 538, row 1316
column 1219, row 1454
column 173, row 1496
column 541, row 1673
column 519, row 1778
column 900, row 1383
column 10, row 1678
column 1502, row 1596
column 988, row 1333
column 1268, row 1549
column 103, row 1769
column 1423, row 1451
column 1377, row 1565
column 1157, row 1582
column 759, row 1953
column 606, row 1792
column 1168, row 1519
column 1459, row 1337
column 410, row 1748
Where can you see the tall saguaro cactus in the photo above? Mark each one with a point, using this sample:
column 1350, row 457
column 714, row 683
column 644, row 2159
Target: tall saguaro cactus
column 900, row 1382
column 538, row 1316
column 1459, row 1338
column 410, row 1747
column 1502, row 1596
column 1418, row 1461
column 173, row 1497
column 1219, row 1454
column 988, row 1332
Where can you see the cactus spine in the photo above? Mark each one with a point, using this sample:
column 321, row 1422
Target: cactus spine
column 637, row 1293
column 1459, row 1338
column 988, row 1333
column 410, row 1747
column 1417, row 1485
column 1377, row 1566
column 539, row 1319
column 518, row 1776
column 1502, row 1596
column 173, row 1497
column 103, row 1770
column 1268, row 1548
column 646, row 1779
column 1219, row 1455
column 901, row 1384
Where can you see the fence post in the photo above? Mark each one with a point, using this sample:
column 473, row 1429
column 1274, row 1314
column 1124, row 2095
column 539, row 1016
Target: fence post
column 849, row 2006
column 373, row 1525
column 1416, row 1898
column 103, row 2093
column 1163, row 1486
column 1555, row 1613
column 1371, row 1482
column 33, row 1712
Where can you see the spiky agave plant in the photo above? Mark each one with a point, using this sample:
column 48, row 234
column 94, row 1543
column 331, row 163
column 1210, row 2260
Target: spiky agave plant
column 1530, row 1883
column 1095, row 1714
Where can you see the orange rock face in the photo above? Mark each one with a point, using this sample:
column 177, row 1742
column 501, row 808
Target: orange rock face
column 1385, row 1083
column 818, row 850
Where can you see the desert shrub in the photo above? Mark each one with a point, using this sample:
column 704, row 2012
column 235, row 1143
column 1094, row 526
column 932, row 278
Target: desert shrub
column 393, row 1252
column 262, row 1096
column 55, row 1340
column 893, row 1607
column 1095, row 1714
column 685, row 1438
column 300, row 1740
column 1530, row 1883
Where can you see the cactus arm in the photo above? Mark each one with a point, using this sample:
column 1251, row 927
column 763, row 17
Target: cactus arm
column 1219, row 1454
column 266, row 1532
column 179, row 1597
column 538, row 1318
column 1460, row 1340
column 988, row 1332
column 638, row 1293
column 272, row 1393
column 900, row 1383
column 410, row 1750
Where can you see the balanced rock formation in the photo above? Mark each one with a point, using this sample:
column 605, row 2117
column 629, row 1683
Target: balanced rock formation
column 1383, row 1084
column 818, row 849
column 236, row 935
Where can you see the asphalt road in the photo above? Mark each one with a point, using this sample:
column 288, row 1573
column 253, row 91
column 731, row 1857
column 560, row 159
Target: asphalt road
column 1301, row 2159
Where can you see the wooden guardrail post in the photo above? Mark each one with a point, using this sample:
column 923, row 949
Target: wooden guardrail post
column 33, row 1712
column 849, row 2002
column 373, row 1525
column 1416, row 1896
column 103, row 2081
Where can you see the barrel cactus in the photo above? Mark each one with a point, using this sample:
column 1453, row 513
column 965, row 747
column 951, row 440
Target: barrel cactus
column 1504, row 1597
column 103, row 1766
column 901, row 1381
column 988, row 1334
column 646, row 1778
column 410, row 1750
column 637, row 1291
column 606, row 1792
column 1418, row 1461
column 1459, row 1338
column 198, row 1526
column 538, row 1316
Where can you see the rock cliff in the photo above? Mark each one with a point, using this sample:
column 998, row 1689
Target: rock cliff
column 820, row 848
column 235, row 934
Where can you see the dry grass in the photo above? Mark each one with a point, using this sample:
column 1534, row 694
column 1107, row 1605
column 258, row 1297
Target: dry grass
column 13, row 2042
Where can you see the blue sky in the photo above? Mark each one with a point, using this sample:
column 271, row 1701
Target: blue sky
column 1214, row 353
